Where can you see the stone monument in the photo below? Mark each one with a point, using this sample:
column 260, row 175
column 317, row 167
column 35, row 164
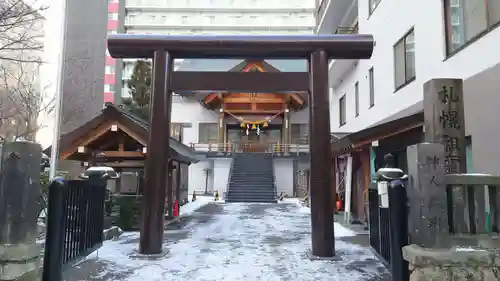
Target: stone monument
column 19, row 192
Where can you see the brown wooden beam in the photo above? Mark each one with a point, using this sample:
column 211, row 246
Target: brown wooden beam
column 262, row 82
column 86, row 139
column 122, row 164
column 260, row 100
column 133, row 135
column 122, row 154
column 298, row 99
column 169, row 175
column 344, row 146
column 178, row 186
column 253, row 112
column 357, row 46
column 208, row 99
column 121, row 144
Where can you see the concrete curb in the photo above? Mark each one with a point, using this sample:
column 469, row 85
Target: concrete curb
column 111, row 233
column 174, row 220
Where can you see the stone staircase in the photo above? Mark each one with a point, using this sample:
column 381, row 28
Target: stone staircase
column 252, row 179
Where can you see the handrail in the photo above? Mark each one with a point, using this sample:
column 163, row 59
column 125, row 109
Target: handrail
column 290, row 148
column 320, row 9
column 347, row 30
column 212, row 147
column 472, row 179
column 224, row 194
column 267, row 147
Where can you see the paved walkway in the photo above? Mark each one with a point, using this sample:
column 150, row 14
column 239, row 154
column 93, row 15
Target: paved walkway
column 233, row 242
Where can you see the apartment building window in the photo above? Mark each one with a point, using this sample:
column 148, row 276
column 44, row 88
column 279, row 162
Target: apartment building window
column 404, row 60
column 299, row 133
column 109, row 69
column 109, row 88
column 467, row 20
column 371, row 83
column 342, row 111
column 373, row 5
column 356, row 99
column 208, row 133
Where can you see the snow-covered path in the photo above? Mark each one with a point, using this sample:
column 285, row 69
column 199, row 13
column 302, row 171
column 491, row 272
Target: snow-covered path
column 233, row 242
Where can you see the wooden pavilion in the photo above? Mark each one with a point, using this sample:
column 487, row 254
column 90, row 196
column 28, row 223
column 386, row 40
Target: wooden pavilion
column 268, row 113
column 117, row 138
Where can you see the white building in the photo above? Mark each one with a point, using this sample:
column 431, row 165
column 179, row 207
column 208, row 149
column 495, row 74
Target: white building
column 200, row 17
column 201, row 115
column 417, row 41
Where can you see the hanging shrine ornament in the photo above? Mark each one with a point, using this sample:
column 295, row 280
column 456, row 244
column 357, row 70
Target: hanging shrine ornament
column 248, row 129
column 258, row 130
column 244, row 123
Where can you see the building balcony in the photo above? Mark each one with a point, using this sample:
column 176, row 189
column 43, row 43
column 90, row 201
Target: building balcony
column 199, row 27
column 218, row 9
column 221, row 4
column 330, row 14
column 347, row 30
column 338, row 68
column 160, row 30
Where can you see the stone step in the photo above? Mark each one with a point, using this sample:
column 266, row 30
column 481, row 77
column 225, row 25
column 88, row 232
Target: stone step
column 251, row 174
column 251, row 195
column 252, row 188
column 252, row 180
column 253, row 169
column 251, row 183
column 253, row 200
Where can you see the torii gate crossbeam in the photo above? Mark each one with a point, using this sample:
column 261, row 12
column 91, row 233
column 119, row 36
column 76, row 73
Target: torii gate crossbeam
column 317, row 49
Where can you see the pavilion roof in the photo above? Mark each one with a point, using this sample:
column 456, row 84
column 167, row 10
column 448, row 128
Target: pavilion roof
column 136, row 124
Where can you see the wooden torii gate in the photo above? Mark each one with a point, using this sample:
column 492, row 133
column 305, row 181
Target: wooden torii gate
column 317, row 49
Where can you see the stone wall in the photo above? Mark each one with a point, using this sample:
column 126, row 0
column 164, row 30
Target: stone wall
column 19, row 262
column 457, row 264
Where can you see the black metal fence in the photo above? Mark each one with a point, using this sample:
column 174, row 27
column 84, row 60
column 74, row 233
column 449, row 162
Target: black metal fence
column 75, row 223
column 389, row 228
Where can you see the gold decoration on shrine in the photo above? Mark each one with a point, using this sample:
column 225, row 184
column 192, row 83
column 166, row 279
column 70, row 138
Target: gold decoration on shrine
column 263, row 122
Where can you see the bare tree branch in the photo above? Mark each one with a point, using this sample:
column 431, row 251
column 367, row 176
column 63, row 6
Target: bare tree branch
column 22, row 100
column 21, row 31
column 21, row 95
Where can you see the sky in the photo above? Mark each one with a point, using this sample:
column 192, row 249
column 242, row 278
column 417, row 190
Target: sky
column 53, row 22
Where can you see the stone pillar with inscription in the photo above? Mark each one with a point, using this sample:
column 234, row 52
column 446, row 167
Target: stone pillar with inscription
column 427, row 208
column 444, row 121
column 19, row 193
column 430, row 255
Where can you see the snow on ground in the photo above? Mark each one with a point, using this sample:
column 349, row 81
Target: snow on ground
column 340, row 230
column 190, row 207
column 233, row 242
